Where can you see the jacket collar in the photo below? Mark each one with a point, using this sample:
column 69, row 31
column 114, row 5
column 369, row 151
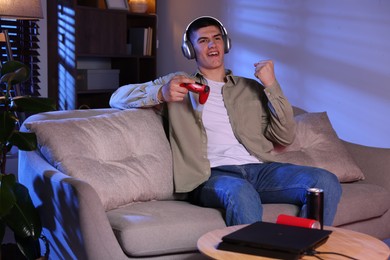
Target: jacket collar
column 198, row 76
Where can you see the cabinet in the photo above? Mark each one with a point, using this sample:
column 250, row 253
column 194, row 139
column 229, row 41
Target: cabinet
column 86, row 38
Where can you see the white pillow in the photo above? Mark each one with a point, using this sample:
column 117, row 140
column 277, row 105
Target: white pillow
column 317, row 144
column 125, row 156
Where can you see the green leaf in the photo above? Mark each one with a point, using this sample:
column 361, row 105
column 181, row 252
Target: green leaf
column 24, row 141
column 15, row 71
column 11, row 66
column 23, row 219
column 7, row 78
column 7, row 125
column 33, row 104
column 7, row 196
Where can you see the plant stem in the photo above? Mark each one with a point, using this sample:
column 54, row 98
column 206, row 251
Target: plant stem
column 3, row 159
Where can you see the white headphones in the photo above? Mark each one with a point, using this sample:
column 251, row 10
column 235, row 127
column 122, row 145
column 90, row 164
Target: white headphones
column 188, row 49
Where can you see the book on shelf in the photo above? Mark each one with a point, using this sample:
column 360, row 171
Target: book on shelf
column 140, row 41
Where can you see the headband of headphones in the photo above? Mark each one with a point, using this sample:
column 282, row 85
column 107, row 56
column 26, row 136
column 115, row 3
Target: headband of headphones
column 187, row 47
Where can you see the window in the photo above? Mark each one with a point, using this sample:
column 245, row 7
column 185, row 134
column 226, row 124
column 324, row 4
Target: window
column 24, row 40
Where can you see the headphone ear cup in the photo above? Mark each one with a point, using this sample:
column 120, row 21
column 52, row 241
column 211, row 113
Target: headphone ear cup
column 227, row 43
column 188, row 50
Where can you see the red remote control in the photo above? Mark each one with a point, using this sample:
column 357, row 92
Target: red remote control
column 202, row 89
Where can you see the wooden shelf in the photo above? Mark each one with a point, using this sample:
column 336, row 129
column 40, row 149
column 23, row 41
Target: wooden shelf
column 84, row 30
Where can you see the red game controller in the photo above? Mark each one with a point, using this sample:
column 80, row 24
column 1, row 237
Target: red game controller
column 202, row 89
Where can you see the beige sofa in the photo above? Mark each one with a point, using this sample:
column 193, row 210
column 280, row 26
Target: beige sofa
column 102, row 180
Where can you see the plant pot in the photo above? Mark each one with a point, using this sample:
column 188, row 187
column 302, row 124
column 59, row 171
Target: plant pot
column 11, row 251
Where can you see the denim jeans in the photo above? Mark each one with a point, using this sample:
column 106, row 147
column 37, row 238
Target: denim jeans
column 242, row 189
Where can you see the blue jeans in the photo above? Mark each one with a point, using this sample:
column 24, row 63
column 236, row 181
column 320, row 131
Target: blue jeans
column 242, row 189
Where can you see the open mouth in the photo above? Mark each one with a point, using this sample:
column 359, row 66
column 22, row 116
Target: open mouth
column 213, row 53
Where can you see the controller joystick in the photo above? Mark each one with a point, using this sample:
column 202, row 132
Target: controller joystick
column 202, row 89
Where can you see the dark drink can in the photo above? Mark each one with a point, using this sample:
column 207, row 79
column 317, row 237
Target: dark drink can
column 315, row 205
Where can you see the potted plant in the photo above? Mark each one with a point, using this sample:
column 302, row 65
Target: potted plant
column 17, row 212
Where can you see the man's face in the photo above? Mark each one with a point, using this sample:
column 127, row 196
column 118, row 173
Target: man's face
column 209, row 47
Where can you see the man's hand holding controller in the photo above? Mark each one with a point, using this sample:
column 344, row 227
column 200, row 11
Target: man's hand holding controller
column 172, row 91
column 178, row 87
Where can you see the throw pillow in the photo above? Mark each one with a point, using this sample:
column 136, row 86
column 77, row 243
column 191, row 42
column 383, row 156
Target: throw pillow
column 125, row 156
column 317, row 144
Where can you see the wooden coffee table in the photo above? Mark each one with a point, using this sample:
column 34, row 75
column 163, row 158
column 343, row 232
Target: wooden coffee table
column 343, row 241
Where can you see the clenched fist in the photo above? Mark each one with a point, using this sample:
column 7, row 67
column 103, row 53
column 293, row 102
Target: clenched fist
column 264, row 71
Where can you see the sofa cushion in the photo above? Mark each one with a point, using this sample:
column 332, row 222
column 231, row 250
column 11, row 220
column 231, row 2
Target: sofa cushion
column 317, row 144
column 361, row 201
column 168, row 227
column 123, row 161
column 162, row 227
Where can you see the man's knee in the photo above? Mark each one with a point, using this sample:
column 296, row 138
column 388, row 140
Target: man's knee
column 330, row 183
column 243, row 204
column 241, row 191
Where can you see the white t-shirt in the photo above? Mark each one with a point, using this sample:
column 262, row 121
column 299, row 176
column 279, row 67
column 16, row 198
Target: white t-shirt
column 223, row 147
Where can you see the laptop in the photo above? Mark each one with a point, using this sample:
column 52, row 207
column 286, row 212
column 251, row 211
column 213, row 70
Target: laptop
column 274, row 240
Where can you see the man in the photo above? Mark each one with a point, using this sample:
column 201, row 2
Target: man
column 221, row 150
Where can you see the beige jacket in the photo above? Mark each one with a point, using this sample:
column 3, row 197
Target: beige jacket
column 259, row 117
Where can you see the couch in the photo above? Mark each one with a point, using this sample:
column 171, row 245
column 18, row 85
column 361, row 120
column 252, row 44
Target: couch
column 102, row 180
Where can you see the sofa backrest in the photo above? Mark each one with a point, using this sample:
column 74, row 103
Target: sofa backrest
column 103, row 147
column 123, row 154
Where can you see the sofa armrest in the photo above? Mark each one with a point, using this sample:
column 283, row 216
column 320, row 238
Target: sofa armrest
column 74, row 220
column 373, row 161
